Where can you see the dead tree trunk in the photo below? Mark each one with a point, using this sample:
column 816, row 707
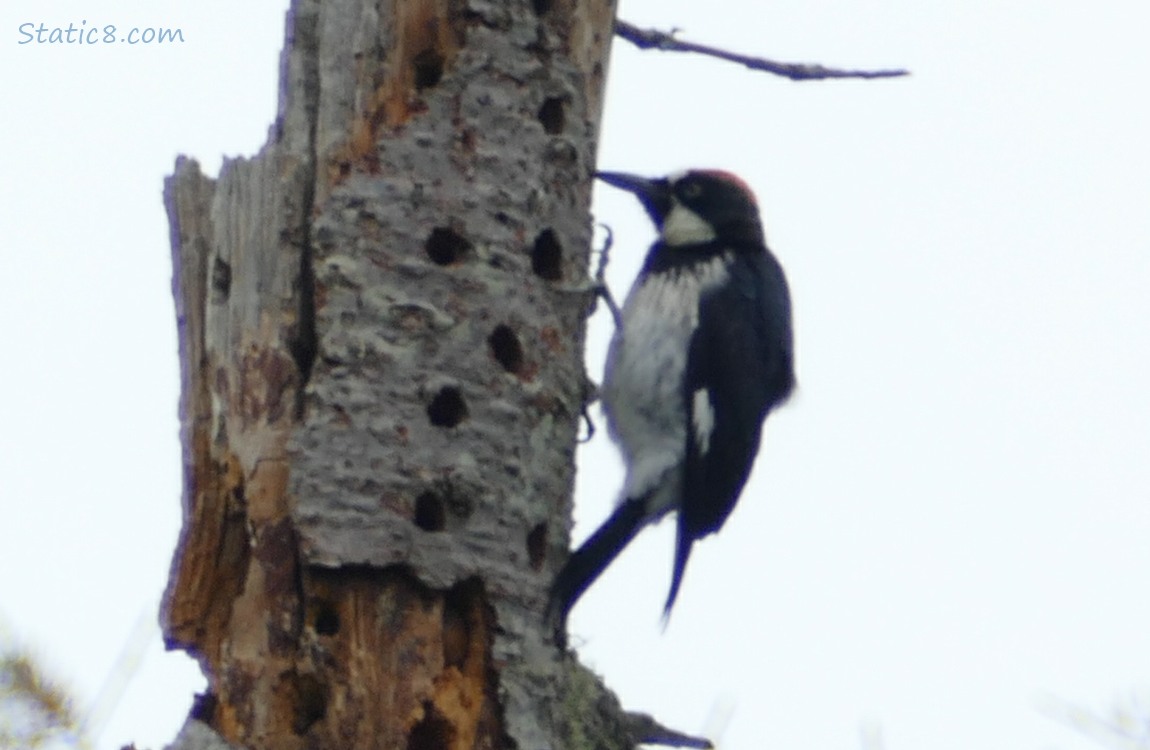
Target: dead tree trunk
column 383, row 379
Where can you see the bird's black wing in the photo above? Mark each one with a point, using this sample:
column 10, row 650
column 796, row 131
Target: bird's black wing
column 739, row 366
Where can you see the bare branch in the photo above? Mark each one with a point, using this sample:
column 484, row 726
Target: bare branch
column 645, row 730
column 667, row 41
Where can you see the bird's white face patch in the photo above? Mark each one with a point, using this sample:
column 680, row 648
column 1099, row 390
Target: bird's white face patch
column 702, row 420
column 682, row 226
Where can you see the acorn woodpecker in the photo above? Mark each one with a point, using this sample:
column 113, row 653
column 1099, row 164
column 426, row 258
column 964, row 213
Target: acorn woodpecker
column 703, row 353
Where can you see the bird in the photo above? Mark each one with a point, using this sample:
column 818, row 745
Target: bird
column 702, row 353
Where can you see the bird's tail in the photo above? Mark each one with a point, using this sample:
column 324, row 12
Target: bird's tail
column 589, row 561
column 683, row 544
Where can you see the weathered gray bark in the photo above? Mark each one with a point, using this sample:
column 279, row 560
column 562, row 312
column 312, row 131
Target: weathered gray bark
column 382, row 382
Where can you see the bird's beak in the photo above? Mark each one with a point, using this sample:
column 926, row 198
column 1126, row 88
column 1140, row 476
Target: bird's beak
column 654, row 194
column 632, row 183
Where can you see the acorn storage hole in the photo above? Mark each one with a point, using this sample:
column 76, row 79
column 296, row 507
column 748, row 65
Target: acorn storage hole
column 447, row 408
column 430, row 513
column 221, row 278
column 325, row 618
column 552, row 116
column 309, row 701
column 427, row 67
column 433, row 732
column 445, row 246
column 547, row 256
column 506, row 349
column 537, row 545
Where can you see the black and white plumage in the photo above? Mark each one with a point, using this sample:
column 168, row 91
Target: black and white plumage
column 703, row 353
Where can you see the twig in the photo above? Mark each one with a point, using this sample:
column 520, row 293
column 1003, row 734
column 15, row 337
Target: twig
column 661, row 40
column 645, row 730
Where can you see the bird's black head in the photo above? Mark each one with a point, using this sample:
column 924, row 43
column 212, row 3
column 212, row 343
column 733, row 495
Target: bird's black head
column 697, row 207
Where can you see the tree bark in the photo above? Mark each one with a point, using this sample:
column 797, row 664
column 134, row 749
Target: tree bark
column 382, row 382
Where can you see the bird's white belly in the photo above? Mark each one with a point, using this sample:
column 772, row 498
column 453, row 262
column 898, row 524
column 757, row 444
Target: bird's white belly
column 643, row 393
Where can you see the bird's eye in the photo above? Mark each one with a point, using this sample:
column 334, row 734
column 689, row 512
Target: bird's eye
column 688, row 190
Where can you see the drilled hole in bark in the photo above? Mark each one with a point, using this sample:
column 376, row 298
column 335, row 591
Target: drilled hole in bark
column 445, row 246
column 326, row 618
column 221, row 279
column 428, row 68
column 553, row 116
column 430, row 515
column 547, row 256
column 310, row 703
column 541, row 6
column 447, row 409
column 434, row 732
column 506, row 349
column 537, row 545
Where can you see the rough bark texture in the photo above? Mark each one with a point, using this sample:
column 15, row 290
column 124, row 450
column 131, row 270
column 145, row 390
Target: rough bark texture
column 382, row 382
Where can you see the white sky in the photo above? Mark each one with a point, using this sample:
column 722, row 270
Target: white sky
column 949, row 522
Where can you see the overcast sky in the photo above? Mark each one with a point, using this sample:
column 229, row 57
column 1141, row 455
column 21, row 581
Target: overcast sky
column 948, row 526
